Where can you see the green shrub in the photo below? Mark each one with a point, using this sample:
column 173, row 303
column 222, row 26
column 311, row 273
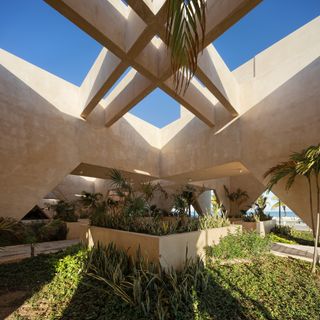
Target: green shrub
column 287, row 233
column 239, row 245
column 156, row 225
column 64, row 211
column 157, row 293
column 54, row 230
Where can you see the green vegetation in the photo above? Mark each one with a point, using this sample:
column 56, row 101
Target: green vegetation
column 20, row 233
column 285, row 234
column 64, row 211
column 241, row 245
column 305, row 163
column 57, row 286
column 157, row 225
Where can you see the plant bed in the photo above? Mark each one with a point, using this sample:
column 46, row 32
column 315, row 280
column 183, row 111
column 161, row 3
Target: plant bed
column 168, row 250
column 57, row 287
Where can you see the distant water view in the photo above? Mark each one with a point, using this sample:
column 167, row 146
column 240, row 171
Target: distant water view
column 287, row 214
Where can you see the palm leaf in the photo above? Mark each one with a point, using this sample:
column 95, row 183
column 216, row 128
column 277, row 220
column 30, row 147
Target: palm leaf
column 186, row 22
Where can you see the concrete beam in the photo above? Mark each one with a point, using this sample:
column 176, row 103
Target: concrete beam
column 104, row 73
column 132, row 88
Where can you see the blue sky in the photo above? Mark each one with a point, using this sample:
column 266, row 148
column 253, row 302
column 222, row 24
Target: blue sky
column 35, row 32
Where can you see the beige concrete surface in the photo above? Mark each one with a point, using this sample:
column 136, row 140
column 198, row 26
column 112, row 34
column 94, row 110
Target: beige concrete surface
column 169, row 250
column 44, row 136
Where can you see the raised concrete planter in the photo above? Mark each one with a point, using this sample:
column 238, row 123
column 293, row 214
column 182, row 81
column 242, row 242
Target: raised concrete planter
column 262, row 227
column 169, row 250
column 77, row 230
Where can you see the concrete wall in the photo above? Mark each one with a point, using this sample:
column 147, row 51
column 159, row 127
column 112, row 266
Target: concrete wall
column 44, row 138
column 169, row 250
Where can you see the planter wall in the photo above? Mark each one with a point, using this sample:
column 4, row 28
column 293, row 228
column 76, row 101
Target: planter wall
column 262, row 227
column 169, row 250
column 77, row 230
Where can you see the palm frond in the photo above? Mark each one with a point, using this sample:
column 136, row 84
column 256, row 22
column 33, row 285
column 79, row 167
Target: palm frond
column 186, row 22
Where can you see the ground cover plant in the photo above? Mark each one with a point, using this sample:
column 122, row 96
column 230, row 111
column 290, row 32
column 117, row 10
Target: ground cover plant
column 240, row 245
column 56, row 287
column 286, row 234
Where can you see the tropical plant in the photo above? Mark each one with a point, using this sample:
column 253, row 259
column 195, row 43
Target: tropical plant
column 184, row 199
column 90, row 200
column 305, row 163
column 186, row 25
column 260, row 206
column 239, row 245
column 64, row 211
column 217, row 206
column 158, row 293
column 237, row 197
column 310, row 166
column 7, row 224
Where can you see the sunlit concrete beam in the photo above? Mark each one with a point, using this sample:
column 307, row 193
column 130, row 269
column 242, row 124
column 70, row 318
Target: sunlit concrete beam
column 216, row 76
column 104, row 73
column 131, row 89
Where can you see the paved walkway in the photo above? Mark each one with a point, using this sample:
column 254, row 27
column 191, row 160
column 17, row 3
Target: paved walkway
column 293, row 250
column 22, row 251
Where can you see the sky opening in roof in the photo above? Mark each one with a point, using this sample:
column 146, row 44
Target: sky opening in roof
column 37, row 33
column 266, row 24
column 157, row 108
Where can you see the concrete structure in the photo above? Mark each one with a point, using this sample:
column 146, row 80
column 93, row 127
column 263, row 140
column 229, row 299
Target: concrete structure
column 168, row 250
column 233, row 129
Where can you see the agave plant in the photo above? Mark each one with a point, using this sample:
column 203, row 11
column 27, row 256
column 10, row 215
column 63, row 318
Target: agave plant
column 186, row 28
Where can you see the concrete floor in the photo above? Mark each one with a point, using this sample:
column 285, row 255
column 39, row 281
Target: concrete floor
column 19, row 252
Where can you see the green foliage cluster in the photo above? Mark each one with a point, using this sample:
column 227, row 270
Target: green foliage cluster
column 58, row 288
column 20, row 233
column 240, row 245
column 286, row 234
column 157, row 225
column 64, row 211
column 157, row 293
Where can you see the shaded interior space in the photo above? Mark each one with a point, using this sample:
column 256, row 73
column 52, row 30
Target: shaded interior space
column 160, row 161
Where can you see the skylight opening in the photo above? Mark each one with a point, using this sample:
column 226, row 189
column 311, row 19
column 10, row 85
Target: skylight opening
column 157, row 108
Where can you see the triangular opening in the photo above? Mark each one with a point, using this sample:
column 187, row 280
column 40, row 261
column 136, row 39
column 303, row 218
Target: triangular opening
column 157, row 108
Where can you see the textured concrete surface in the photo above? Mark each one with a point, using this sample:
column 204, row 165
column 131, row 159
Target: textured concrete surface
column 50, row 128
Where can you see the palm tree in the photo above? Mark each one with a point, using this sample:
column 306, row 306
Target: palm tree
column 237, row 197
column 311, row 166
column 186, row 25
column 304, row 163
column 280, row 205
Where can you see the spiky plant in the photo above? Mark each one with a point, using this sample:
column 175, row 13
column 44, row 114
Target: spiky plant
column 186, row 25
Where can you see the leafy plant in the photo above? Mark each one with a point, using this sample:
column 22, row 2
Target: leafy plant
column 64, row 211
column 237, row 197
column 239, row 245
column 186, row 25
column 307, row 164
column 54, row 230
column 158, row 293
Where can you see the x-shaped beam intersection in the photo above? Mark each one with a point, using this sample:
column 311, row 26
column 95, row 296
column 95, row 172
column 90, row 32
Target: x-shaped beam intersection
column 134, row 36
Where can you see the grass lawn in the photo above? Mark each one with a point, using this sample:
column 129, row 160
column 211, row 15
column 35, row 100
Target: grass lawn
column 53, row 287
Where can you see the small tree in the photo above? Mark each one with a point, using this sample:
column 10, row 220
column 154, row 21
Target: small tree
column 305, row 163
column 237, row 197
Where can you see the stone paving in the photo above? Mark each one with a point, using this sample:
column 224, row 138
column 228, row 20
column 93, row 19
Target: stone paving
column 19, row 252
column 293, row 250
